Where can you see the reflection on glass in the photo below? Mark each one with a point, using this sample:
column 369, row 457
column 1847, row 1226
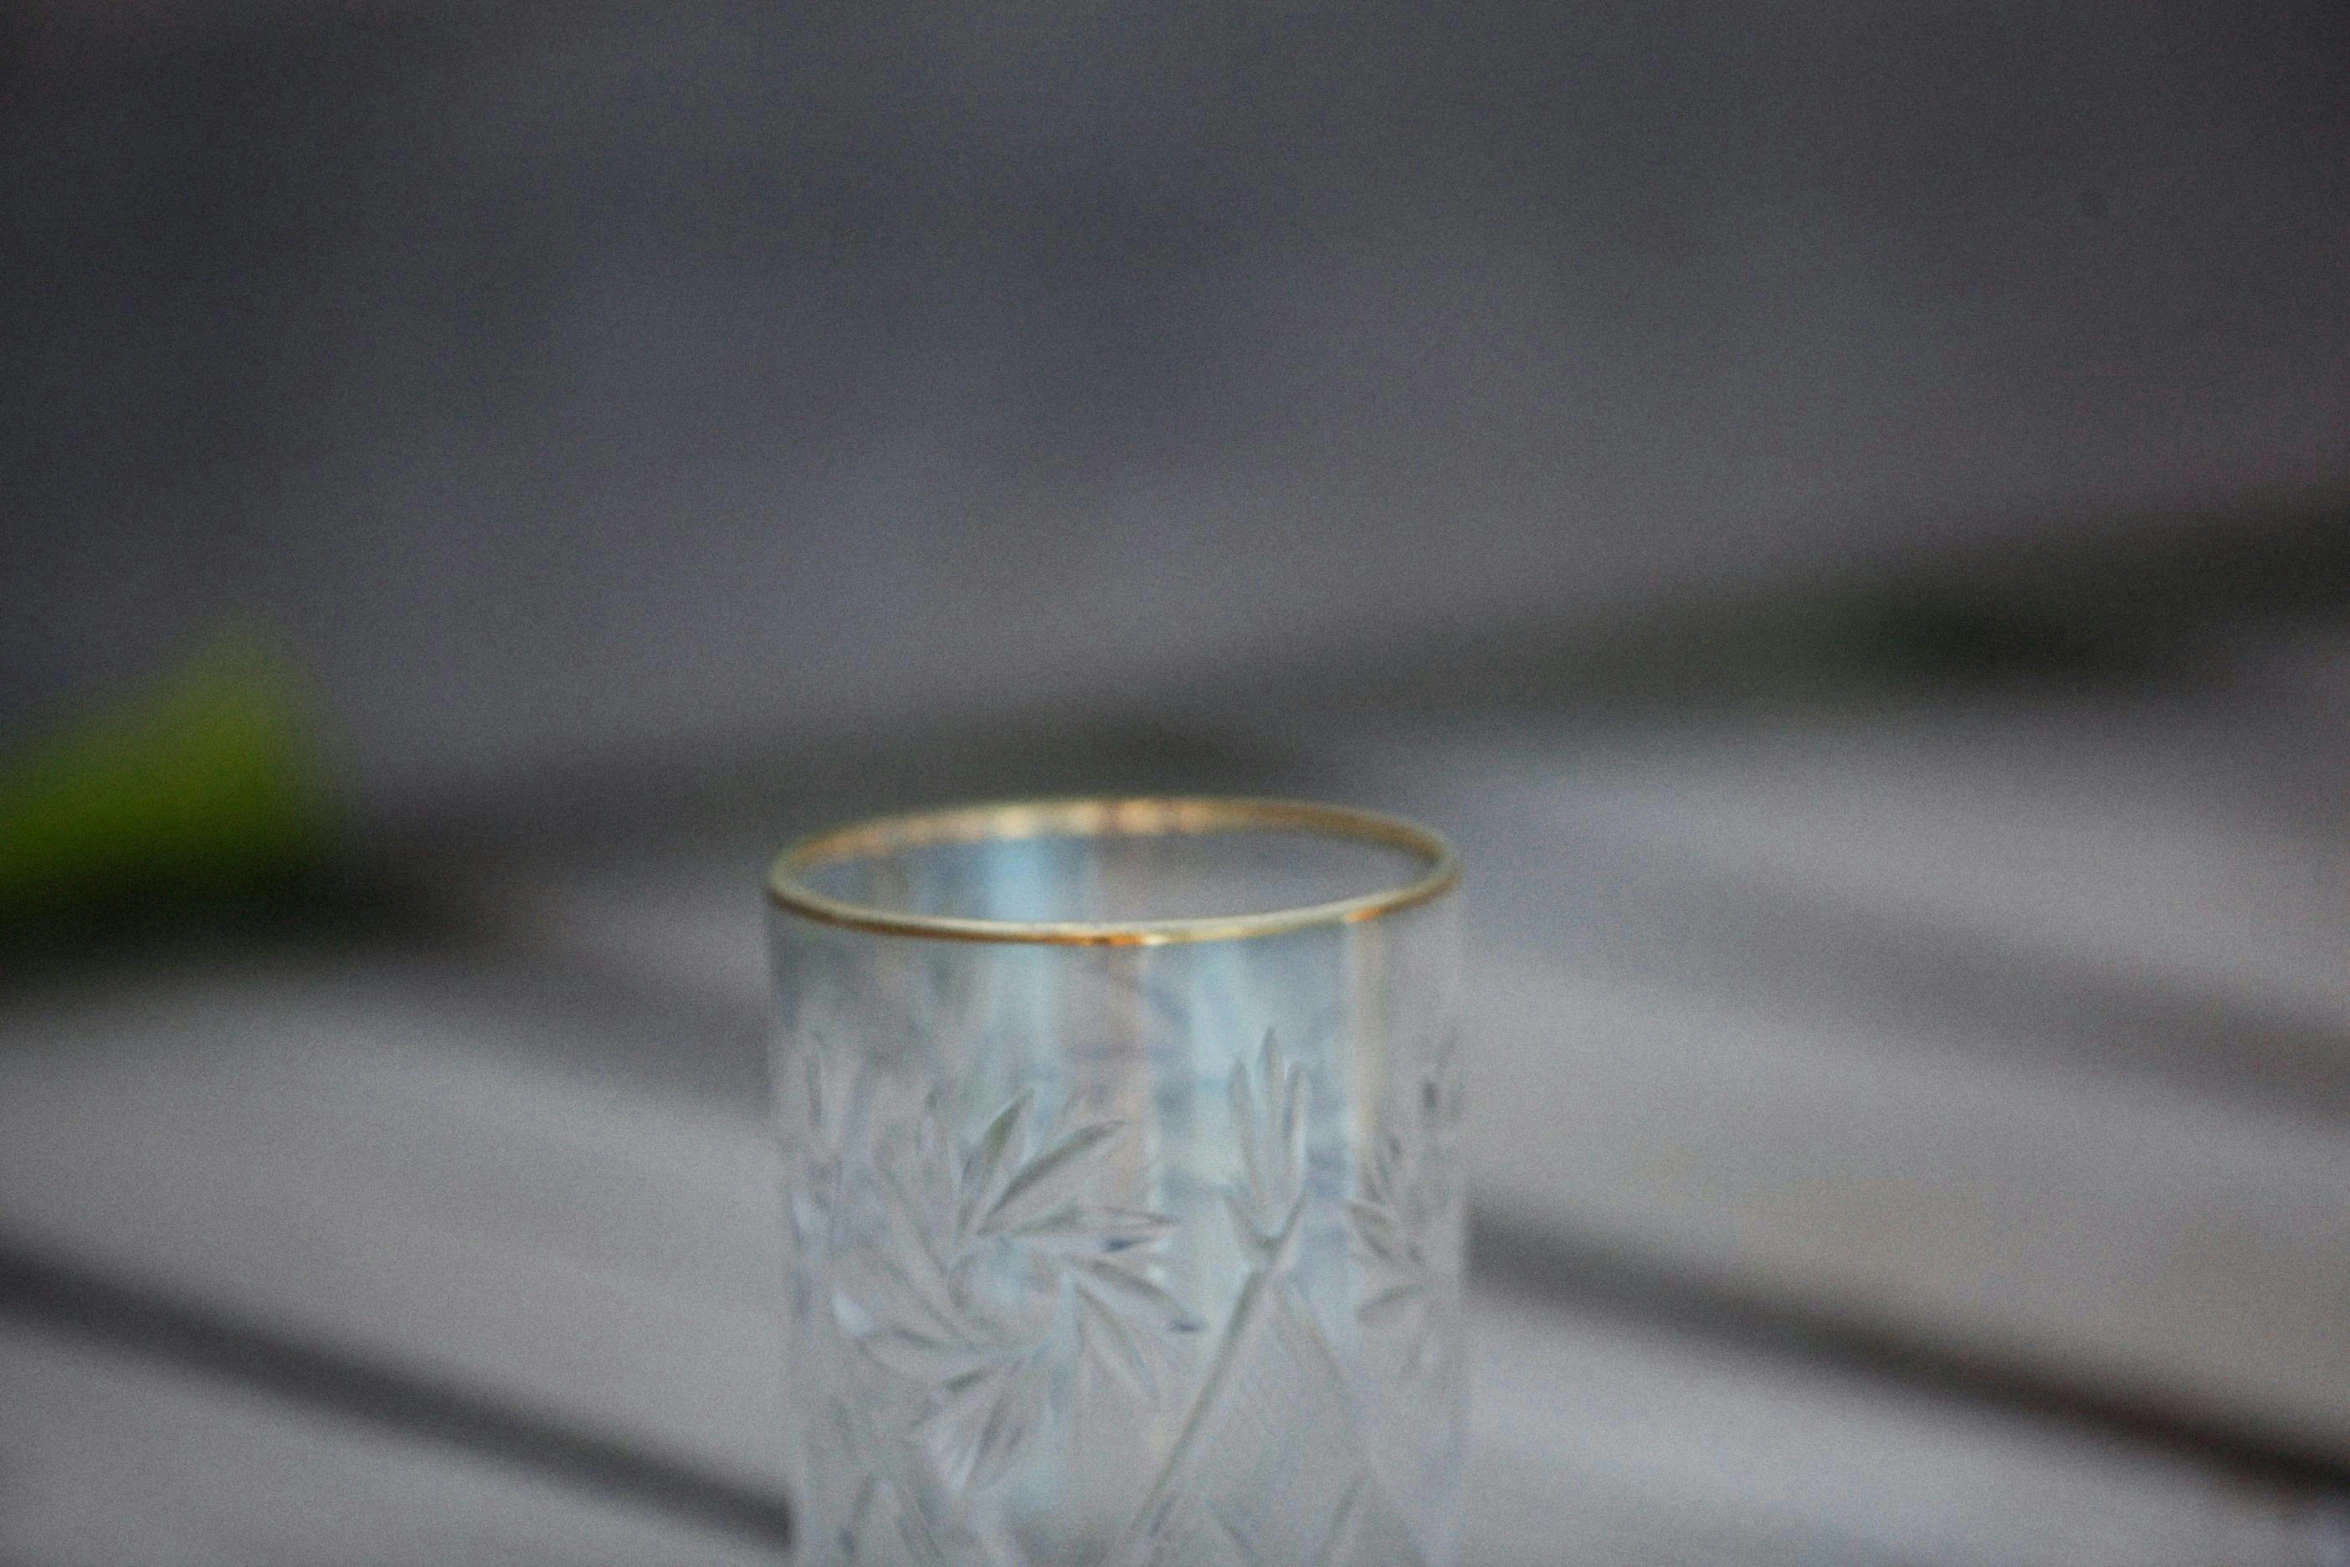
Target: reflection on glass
column 1123, row 1165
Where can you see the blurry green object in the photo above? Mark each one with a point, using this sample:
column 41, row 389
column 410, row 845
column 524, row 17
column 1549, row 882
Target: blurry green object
column 200, row 794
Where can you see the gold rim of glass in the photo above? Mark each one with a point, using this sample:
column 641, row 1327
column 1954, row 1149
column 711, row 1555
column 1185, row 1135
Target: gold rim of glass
column 1108, row 818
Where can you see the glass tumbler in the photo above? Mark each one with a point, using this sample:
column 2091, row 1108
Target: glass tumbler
column 1122, row 1157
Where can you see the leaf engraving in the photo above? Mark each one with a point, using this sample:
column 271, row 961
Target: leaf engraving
column 992, row 1162
column 1267, row 1464
column 1268, row 1121
column 1409, row 1196
column 1057, row 1173
column 986, row 1275
column 985, row 1281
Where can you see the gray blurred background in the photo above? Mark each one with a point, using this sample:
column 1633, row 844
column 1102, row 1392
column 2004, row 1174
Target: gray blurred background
column 1843, row 510
column 570, row 382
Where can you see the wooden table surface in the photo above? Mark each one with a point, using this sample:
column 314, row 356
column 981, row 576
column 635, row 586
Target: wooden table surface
column 1912, row 1138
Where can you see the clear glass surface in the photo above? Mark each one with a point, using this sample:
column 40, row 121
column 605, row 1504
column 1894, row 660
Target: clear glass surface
column 1123, row 1166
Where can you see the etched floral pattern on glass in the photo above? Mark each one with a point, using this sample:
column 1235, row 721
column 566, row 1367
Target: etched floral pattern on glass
column 1123, row 1258
column 982, row 1276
